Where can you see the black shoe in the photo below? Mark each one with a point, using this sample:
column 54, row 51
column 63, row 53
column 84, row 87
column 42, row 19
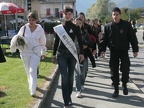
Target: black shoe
column 93, row 66
column 125, row 90
column 115, row 94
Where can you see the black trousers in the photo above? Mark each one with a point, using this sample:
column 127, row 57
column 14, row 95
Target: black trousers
column 117, row 57
column 2, row 57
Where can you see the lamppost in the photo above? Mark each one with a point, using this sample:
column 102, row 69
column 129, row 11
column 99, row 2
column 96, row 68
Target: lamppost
column 25, row 9
column 16, row 16
column 62, row 2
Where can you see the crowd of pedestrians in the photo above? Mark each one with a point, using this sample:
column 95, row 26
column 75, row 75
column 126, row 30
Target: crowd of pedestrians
column 92, row 39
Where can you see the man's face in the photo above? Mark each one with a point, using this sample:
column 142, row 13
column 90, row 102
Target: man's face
column 116, row 16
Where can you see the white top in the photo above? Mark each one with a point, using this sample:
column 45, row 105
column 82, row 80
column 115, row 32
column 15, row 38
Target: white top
column 35, row 41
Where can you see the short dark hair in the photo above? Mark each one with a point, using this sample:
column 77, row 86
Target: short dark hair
column 68, row 9
column 81, row 13
column 117, row 10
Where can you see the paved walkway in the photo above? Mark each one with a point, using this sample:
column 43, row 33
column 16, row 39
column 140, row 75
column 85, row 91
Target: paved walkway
column 98, row 92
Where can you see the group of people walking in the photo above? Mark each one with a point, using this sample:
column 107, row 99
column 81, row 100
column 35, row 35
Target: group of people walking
column 76, row 42
column 90, row 39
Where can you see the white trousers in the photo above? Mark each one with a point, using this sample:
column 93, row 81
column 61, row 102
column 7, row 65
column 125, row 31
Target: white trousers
column 31, row 63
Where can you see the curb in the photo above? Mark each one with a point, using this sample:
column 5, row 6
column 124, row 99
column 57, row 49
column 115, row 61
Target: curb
column 136, row 89
column 42, row 97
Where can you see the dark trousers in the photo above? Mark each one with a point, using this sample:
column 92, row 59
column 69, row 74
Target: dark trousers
column 98, row 54
column 115, row 58
column 66, row 63
column 91, row 57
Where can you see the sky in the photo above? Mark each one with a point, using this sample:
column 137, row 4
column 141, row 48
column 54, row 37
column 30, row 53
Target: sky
column 83, row 5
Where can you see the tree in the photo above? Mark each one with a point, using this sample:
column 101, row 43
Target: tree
column 131, row 14
column 101, row 10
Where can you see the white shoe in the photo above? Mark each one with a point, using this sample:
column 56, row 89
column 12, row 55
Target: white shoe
column 82, row 87
column 78, row 95
column 33, row 95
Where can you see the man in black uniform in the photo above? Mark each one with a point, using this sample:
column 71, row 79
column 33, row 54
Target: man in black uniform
column 118, row 34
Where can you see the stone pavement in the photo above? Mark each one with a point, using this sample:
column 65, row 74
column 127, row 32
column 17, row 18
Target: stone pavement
column 98, row 91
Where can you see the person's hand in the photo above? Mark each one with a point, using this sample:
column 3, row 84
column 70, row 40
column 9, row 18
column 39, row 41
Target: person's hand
column 43, row 56
column 84, row 46
column 135, row 54
column 94, row 52
column 81, row 57
column 54, row 59
column 103, row 54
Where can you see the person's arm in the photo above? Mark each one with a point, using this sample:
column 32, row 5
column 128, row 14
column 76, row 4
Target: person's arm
column 56, row 43
column 104, row 42
column 132, row 38
column 79, row 38
column 42, row 41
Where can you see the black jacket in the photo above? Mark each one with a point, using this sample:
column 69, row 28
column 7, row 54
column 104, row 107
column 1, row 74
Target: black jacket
column 119, row 36
column 74, row 32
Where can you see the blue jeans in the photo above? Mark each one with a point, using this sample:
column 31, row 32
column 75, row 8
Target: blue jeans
column 77, row 80
column 80, row 79
column 66, row 63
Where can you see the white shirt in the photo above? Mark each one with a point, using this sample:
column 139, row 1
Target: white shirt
column 36, row 40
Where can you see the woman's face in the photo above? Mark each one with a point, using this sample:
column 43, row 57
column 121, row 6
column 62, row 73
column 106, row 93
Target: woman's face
column 32, row 21
column 79, row 23
column 68, row 16
column 95, row 22
column 82, row 18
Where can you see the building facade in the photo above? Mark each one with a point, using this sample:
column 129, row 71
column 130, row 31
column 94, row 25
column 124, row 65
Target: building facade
column 51, row 8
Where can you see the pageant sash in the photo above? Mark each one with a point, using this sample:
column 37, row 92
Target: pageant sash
column 68, row 42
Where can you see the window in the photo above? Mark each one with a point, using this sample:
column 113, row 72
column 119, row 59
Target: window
column 48, row 11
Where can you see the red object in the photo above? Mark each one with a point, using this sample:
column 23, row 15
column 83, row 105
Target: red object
column 10, row 8
column 92, row 38
column 48, row 11
column 20, row 10
column 61, row 12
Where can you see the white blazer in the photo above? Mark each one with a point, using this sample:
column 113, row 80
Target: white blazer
column 35, row 41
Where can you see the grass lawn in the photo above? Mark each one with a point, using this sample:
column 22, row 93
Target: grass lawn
column 14, row 92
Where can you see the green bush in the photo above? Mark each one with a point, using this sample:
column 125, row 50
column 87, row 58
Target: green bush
column 48, row 27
